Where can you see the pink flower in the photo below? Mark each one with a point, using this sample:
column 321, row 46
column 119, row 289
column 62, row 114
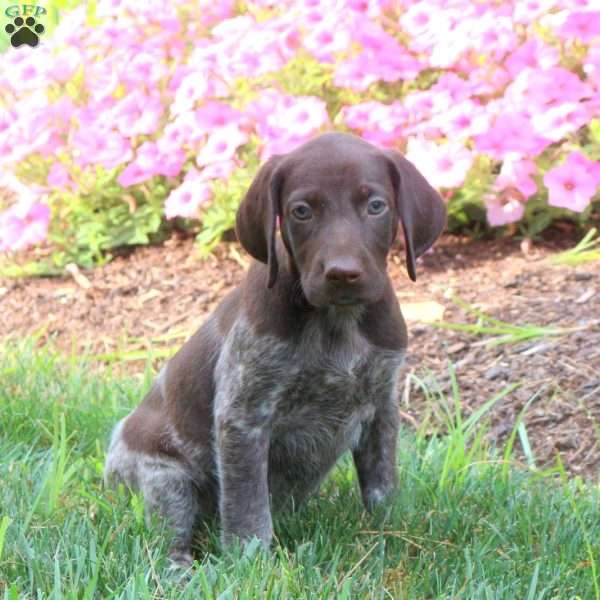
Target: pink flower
column 533, row 89
column 451, row 85
column 329, row 38
column 517, row 173
column 29, row 71
column 133, row 174
column 281, row 145
column 502, row 210
column 186, row 200
column 305, row 116
column 183, row 130
column 533, row 54
column 65, row 64
column 146, row 69
column 422, row 105
column 213, row 115
column 558, row 121
column 215, row 11
column 383, row 58
column 527, row 11
column 425, row 23
column 444, row 166
column 221, row 145
column 380, row 124
column 233, row 28
column 193, row 88
column 573, row 184
column 284, row 122
column 591, row 166
column 511, row 133
column 23, row 224
column 137, row 114
column 591, row 66
column 101, row 81
column 248, row 48
column 58, row 177
column 462, row 120
column 584, row 26
column 152, row 159
column 96, row 146
column 355, row 73
column 218, row 170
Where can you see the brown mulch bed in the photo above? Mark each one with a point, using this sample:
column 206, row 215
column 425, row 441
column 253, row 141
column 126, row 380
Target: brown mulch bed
column 157, row 296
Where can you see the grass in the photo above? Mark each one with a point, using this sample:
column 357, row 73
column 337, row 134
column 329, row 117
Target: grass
column 586, row 250
column 466, row 521
column 499, row 332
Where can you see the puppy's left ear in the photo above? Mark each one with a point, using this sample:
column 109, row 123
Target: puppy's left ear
column 420, row 209
column 256, row 219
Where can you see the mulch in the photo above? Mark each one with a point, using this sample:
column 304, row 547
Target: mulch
column 155, row 297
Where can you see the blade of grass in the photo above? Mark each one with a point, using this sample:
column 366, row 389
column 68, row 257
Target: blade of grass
column 586, row 250
column 4, row 524
column 531, row 594
column 524, row 439
column 486, row 406
column 513, row 435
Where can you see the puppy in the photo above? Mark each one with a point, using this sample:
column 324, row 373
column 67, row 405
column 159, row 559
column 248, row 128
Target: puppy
column 299, row 363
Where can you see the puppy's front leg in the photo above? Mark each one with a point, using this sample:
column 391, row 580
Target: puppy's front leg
column 375, row 456
column 242, row 455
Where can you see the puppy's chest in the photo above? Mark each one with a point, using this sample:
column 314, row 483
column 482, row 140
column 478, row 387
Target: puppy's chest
column 325, row 405
column 327, row 382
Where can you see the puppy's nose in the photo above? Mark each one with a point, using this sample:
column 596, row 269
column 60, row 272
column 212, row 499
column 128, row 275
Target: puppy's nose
column 341, row 272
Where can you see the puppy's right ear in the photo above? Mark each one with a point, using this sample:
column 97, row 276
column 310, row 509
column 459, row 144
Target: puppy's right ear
column 256, row 220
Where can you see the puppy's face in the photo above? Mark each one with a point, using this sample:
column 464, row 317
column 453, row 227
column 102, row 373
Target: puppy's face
column 338, row 222
column 338, row 201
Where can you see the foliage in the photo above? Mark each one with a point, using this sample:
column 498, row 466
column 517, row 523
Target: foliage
column 128, row 115
column 466, row 522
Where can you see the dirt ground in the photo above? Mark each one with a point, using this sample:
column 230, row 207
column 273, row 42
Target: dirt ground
column 157, row 296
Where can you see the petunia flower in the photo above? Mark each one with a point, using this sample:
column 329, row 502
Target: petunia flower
column 185, row 200
column 221, row 145
column 573, row 184
column 23, row 224
column 444, row 166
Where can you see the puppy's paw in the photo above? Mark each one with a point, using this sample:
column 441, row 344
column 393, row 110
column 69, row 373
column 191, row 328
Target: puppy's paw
column 249, row 543
column 375, row 497
column 180, row 560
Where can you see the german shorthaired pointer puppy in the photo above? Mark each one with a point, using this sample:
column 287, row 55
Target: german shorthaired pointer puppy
column 296, row 365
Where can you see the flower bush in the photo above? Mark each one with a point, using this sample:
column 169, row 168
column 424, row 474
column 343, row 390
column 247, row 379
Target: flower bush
column 139, row 114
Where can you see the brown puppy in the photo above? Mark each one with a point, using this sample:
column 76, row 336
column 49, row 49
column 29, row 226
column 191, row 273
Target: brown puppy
column 299, row 363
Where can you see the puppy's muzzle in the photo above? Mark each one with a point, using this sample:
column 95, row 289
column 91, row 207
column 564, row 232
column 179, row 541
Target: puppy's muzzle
column 344, row 280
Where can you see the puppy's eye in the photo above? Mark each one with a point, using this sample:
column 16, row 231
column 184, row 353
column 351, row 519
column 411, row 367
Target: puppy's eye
column 376, row 206
column 302, row 212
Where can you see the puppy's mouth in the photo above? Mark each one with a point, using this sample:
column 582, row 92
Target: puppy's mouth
column 339, row 300
column 322, row 296
column 347, row 301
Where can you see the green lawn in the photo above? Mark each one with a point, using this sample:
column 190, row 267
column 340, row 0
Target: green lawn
column 462, row 525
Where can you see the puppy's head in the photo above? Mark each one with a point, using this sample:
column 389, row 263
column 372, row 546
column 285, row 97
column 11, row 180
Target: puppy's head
column 338, row 201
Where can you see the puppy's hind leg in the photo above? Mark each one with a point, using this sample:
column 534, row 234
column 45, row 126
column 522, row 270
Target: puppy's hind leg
column 171, row 492
column 166, row 485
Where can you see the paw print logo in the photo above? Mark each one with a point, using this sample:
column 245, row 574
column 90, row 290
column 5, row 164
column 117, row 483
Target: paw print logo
column 24, row 31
